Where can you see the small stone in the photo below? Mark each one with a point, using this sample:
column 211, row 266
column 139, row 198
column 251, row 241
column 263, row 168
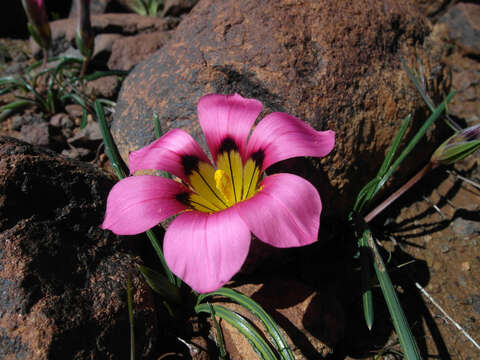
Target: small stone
column 436, row 266
column 444, row 248
column 56, row 120
column 105, row 87
column 103, row 44
column 89, row 136
column 476, row 303
column 18, row 122
column 76, row 153
column 74, row 110
column 466, row 266
column 463, row 21
column 130, row 50
column 465, row 227
column 36, row 133
column 68, row 133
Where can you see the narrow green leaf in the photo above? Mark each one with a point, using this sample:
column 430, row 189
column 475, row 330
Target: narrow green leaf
column 421, row 132
column 158, row 249
column 221, row 343
column 260, row 346
column 100, row 74
column 394, row 147
column 272, row 328
column 110, row 148
column 130, row 319
column 17, row 105
column 367, row 301
column 388, row 159
column 157, row 126
column 161, row 285
column 417, row 84
column 368, row 191
column 84, row 119
column 402, row 328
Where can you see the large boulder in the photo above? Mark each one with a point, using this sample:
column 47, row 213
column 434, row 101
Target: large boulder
column 334, row 64
column 63, row 279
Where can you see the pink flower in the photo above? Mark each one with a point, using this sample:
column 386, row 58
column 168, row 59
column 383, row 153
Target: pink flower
column 218, row 207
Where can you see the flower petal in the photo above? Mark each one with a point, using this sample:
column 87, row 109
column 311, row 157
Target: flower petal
column 206, row 250
column 225, row 117
column 285, row 212
column 281, row 136
column 136, row 204
column 173, row 152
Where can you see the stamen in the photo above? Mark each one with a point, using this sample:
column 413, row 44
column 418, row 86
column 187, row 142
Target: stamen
column 202, row 181
column 223, row 183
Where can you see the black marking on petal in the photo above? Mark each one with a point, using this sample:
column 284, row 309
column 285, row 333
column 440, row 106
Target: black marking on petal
column 183, row 198
column 189, row 163
column 258, row 157
column 227, row 145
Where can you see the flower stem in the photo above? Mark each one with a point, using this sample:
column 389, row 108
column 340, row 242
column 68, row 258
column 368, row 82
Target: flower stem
column 45, row 57
column 371, row 215
column 84, row 66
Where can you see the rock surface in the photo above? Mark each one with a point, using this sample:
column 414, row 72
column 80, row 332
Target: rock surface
column 463, row 23
column 130, row 50
column 308, row 60
column 62, row 278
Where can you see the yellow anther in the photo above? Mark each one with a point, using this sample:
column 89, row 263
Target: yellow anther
column 224, row 184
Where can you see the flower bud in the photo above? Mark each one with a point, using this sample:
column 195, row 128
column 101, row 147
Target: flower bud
column 458, row 146
column 38, row 22
column 84, row 36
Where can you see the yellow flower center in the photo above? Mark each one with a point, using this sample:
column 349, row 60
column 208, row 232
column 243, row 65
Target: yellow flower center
column 218, row 189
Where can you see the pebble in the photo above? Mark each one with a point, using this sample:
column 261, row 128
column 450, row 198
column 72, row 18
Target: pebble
column 465, row 227
column 466, row 266
column 444, row 248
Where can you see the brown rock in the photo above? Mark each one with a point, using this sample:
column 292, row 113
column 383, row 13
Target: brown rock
column 89, row 136
column 74, row 110
column 106, row 87
column 463, row 23
column 312, row 323
column 63, row 31
column 177, row 7
column 306, row 60
column 62, row 278
column 129, row 51
column 431, row 7
column 36, row 133
column 104, row 43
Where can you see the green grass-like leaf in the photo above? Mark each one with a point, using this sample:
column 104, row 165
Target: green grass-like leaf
column 110, row 148
column 130, row 319
column 259, row 345
column 99, row 74
column 272, row 328
column 158, row 249
column 161, row 284
column 364, row 198
column 221, row 343
column 402, row 328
